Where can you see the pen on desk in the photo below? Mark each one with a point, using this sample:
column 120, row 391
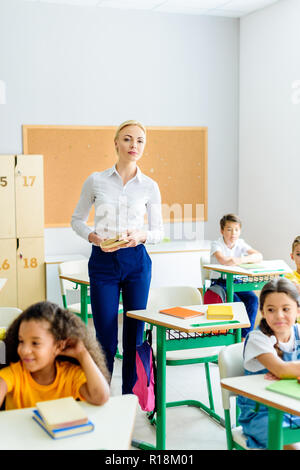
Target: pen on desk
column 215, row 323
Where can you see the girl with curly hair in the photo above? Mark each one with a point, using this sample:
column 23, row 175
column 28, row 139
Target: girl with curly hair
column 51, row 354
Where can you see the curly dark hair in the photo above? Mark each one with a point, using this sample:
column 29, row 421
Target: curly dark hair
column 62, row 325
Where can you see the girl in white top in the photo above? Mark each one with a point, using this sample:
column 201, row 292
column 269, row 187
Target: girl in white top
column 122, row 196
column 272, row 349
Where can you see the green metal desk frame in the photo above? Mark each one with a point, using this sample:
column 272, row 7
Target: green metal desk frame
column 232, row 287
column 278, row 436
column 164, row 345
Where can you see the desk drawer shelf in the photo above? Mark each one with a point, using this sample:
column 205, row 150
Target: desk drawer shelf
column 197, row 340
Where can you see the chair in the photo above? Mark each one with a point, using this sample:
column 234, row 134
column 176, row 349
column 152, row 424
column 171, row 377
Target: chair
column 7, row 315
column 182, row 295
column 205, row 274
column 231, row 365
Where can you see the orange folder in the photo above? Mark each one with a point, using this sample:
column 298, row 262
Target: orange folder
column 181, row 312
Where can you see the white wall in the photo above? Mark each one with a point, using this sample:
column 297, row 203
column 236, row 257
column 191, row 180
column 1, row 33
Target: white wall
column 87, row 66
column 269, row 157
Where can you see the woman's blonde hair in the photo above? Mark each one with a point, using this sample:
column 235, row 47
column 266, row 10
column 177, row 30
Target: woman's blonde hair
column 129, row 123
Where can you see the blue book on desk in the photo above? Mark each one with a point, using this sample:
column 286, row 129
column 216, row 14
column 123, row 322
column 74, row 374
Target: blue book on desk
column 63, row 432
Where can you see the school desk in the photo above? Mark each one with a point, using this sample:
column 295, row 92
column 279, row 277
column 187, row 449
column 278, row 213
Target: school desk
column 198, row 335
column 254, row 387
column 251, row 279
column 82, row 280
column 114, row 423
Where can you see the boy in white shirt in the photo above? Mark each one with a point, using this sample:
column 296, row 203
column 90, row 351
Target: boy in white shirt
column 231, row 250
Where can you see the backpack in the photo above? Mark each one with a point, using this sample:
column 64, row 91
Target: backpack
column 215, row 294
column 144, row 387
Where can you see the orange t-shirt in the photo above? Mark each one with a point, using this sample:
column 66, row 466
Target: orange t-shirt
column 24, row 392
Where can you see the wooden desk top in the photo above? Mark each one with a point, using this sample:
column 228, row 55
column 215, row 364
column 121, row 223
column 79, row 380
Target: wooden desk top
column 80, row 278
column 254, row 387
column 196, row 324
column 114, row 423
column 271, row 267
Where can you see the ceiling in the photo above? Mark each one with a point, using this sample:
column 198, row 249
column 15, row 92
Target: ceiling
column 229, row 8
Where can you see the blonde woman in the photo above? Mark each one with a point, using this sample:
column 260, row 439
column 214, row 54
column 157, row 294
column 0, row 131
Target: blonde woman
column 122, row 196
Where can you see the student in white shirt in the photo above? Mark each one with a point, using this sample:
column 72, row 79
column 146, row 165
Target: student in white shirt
column 231, row 250
column 122, row 195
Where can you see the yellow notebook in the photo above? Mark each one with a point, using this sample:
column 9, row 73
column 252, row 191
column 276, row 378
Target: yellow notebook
column 219, row 312
column 61, row 413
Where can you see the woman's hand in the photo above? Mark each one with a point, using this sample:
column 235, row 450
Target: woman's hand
column 95, row 239
column 134, row 237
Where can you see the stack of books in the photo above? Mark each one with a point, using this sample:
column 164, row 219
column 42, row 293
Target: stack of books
column 113, row 242
column 63, row 417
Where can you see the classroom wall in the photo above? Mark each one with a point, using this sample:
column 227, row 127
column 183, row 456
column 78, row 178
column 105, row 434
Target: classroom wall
column 269, row 150
column 86, row 66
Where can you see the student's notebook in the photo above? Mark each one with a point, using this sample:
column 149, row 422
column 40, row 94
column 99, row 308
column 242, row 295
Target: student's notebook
column 252, row 266
column 61, row 413
column 288, row 387
column 63, row 432
column 219, row 312
column 181, row 312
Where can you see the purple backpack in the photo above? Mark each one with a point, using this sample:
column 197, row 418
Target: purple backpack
column 144, row 387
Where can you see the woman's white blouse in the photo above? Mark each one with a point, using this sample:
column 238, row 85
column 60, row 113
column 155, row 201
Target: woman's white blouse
column 119, row 207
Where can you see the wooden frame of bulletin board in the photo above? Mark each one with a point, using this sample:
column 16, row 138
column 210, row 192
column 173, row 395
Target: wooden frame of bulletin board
column 175, row 157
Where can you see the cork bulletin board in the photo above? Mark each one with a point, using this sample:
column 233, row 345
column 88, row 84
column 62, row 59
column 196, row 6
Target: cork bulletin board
column 175, row 157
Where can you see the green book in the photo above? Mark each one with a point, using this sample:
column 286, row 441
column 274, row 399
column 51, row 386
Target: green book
column 252, row 266
column 288, row 387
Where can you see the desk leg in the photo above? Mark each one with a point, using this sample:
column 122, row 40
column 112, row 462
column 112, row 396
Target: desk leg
column 229, row 287
column 275, row 434
column 238, row 335
column 161, row 389
column 84, row 303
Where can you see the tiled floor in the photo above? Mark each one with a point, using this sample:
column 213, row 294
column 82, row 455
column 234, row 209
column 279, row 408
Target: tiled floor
column 188, row 428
